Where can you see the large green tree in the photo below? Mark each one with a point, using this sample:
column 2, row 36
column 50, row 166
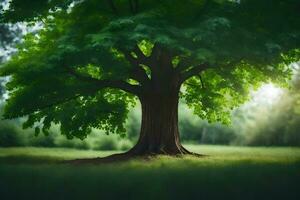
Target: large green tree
column 93, row 59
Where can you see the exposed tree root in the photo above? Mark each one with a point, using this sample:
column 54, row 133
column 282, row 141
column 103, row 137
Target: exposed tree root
column 133, row 154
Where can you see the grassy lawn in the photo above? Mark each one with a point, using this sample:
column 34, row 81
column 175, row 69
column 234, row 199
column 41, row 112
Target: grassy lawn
column 227, row 173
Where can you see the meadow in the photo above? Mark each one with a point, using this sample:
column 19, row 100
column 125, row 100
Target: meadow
column 226, row 173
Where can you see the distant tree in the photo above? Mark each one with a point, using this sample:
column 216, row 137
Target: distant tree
column 93, row 59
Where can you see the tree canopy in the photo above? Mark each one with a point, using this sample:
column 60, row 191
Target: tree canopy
column 91, row 58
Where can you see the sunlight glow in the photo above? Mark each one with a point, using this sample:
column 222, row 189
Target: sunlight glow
column 267, row 94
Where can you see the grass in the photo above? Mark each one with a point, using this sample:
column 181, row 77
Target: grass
column 227, row 173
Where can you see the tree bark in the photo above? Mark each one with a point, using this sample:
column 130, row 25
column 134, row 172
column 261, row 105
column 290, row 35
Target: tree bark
column 159, row 129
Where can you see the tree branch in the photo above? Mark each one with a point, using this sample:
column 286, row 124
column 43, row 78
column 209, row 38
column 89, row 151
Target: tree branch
column 118, row 84
column 140, row 55
column 193, row 71
column 58, row 102
column 190, row 84
column 138, row 73
column 201, row 80
column 183, row 65
column 141, row 58
column 63, row 101
column 100, row 84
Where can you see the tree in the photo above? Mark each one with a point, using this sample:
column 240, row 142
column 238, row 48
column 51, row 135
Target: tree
column 93, row 59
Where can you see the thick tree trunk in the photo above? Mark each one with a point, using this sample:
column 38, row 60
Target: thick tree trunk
column 159, row 130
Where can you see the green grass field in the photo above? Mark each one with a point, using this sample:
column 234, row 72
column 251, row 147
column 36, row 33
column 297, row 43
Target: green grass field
column 227, row 173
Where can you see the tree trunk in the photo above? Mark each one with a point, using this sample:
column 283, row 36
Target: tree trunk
column 159, row 130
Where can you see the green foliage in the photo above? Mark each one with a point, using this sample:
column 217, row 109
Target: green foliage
column 226, row 89
column 56, row 74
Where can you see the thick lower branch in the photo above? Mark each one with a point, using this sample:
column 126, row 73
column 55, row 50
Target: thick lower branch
column 137, row 73
column 100, row 84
